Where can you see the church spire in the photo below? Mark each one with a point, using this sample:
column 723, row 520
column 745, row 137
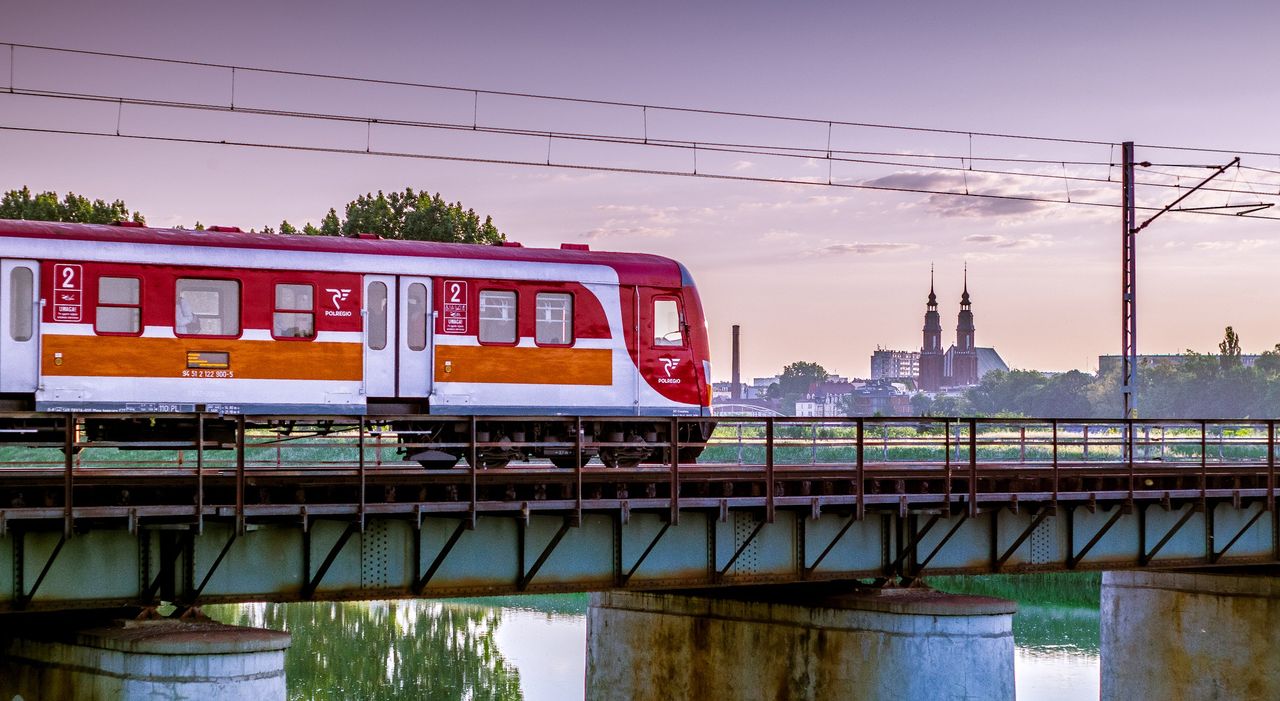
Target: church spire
column 933, row 298
column 964, row 296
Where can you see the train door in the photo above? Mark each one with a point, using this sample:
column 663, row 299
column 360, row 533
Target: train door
column 414, row 346
column 666, row 351
column 398, row 342
column 20, row 320
column 379, row 336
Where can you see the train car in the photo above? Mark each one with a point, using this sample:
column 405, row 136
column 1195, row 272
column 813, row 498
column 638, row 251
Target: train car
column 125, row 318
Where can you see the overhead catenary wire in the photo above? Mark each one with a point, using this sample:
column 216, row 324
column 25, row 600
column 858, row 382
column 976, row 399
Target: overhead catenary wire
column 713, row 147
column 609, row 169
column 553, row 98
column 868, row 158
column 970, row 133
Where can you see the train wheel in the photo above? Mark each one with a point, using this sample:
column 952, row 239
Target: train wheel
column 569, row 462
column 436, row 459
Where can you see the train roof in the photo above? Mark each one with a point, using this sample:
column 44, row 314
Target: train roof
column 632, row 268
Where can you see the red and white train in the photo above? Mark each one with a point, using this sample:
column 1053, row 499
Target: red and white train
column 125, row 318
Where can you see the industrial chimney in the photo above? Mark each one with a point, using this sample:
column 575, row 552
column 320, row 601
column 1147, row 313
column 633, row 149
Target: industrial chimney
column 736, row 390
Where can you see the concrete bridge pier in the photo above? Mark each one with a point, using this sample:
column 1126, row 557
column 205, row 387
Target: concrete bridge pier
column 1175, row 635
column 72, row 656
column 805, row 643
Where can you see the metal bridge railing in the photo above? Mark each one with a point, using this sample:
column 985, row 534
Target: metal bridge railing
column 189, row 467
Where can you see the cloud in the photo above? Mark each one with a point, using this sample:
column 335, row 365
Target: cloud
column 739, row 166
column 912, row 180
column 1004, row 242
column 1231, row 246
column 861, row 248
column 953, row 206
column 974, row 195
column 779, row 235
column 628, row 232
column 810, row 202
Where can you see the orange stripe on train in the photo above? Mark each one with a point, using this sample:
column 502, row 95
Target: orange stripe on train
column 132, row 356
column 529, row 366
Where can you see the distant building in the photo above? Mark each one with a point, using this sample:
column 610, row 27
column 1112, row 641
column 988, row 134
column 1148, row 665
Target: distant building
column 893, row 364
column 988, row 360
column 883, row 398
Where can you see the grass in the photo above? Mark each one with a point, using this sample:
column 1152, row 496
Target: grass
column 1071, row 589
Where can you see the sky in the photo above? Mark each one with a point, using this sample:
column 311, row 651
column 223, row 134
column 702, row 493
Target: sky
column 810, row 272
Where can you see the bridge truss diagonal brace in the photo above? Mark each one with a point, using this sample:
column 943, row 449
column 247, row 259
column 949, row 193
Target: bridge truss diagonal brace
column 808, row 570
column 21, row 598
column 895, row 567
column 1074, row 558
column 1022, row 538
column 1145, row 557
column 626, row 577
column 1216, row 555
column 720, row 573
column 919, row 568
column 226, row 548
column 527, row 576
column 463, row 526
column 310, row 588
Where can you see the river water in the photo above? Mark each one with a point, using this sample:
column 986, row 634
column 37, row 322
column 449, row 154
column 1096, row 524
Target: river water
column 534, row 648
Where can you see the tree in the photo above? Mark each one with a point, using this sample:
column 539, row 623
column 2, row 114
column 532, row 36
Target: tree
column 407, row 215
column 330, row 226
column 21, row 204
column 1269, row 362
column 1229, row 349
column 416, row 216
column 798, row 377
column 920, row 404
column 951, row 405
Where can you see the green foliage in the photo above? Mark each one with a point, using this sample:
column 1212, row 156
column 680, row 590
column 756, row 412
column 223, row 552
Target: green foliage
column 387, row 649
column 798, row 377
column 407, row 215
column 1054, row 589
column 1193, row 386
column 21, row 204
column 416, row 216
column 1229, row 349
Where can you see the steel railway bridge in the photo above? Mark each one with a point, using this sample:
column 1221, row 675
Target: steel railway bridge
column 296, row 508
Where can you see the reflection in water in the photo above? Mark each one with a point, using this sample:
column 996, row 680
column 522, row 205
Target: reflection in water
column 387, row 650
column 534, row 648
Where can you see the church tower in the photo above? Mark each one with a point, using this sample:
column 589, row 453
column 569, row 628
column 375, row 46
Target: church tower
column 964, row 364
column 931, row 352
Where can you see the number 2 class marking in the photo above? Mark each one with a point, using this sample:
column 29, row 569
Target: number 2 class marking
column 68, row 277
column 455, row 292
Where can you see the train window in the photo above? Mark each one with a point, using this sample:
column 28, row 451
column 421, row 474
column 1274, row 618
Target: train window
column 417, row 316
column 294, row 315
column 119, row 307
column 21, row 304
column 667, row 329
column 555, row 319
column 207, row 307
column 377, row 301
column 497, row 316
